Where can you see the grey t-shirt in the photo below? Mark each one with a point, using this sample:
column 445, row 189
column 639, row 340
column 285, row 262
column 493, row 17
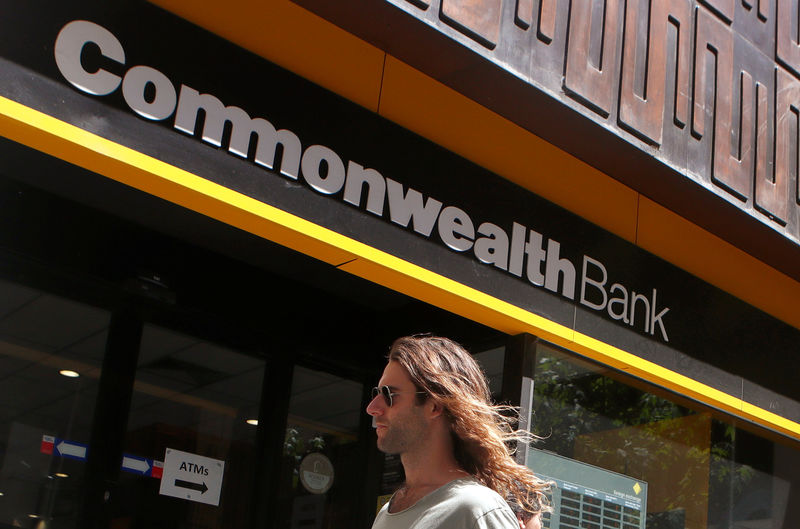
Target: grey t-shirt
column 461, row 504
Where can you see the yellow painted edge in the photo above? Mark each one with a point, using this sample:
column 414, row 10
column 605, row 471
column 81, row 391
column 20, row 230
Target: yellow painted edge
column 385, row 269
column 762, row 416
column 130, row 167
column 661, row 376
column 48, row 134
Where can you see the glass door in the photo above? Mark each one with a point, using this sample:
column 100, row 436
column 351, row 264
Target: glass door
column 190, row 447
column 320, row 471
column 51, row 351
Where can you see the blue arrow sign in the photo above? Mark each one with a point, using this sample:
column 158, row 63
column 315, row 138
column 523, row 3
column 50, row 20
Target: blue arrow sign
column 133, row 464
column 70, row 449
column 137, row 465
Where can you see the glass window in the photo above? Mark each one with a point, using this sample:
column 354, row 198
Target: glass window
column 51, row 352
column 192, row 400
column 320, row 481
column 491, row 361
column 624, row 456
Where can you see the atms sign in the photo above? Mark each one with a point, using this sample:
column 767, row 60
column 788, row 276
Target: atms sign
column 192, row 477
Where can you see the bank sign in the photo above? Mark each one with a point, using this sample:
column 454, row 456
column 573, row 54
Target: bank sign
column 699, row 97
column 513, row 248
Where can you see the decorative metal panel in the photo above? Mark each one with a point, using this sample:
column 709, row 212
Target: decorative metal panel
column 708, row 88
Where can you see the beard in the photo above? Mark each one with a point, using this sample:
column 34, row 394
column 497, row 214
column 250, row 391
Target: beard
column 404, row 433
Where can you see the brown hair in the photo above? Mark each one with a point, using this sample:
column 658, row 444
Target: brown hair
column 482, row 432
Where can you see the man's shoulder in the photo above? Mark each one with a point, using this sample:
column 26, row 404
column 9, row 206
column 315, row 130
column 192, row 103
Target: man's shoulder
column 470, row 496
column 471, row 491
column 463, row 503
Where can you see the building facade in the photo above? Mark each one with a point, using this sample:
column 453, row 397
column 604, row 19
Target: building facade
column 217, row 216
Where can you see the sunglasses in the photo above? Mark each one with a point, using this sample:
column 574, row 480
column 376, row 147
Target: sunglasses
column 388, row 394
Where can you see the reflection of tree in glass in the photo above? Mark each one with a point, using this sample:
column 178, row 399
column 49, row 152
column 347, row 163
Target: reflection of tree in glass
column 686, row 457
column 729, row 479
column 296, row 447
column 572, row 399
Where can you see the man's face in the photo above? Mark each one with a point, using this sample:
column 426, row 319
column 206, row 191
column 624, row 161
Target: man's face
column 403, row 426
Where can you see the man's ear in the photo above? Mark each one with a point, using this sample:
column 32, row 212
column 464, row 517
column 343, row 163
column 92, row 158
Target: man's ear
column 434, row 408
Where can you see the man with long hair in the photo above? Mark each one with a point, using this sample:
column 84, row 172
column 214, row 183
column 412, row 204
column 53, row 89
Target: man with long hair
column 432, row 406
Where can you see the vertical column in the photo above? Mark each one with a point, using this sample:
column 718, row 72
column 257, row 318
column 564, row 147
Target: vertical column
column 272, row 415
column 517, row 387
column 110, row 421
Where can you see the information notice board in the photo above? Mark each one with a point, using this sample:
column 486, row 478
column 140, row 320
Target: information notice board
column 588, row 497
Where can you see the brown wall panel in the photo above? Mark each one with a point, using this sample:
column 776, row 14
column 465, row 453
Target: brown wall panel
column 647, row 69
column 591, row 64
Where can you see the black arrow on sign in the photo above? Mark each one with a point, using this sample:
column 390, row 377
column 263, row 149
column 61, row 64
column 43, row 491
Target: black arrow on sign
column 191, row 485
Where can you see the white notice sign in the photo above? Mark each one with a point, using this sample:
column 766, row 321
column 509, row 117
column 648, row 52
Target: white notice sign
column 192, row 477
